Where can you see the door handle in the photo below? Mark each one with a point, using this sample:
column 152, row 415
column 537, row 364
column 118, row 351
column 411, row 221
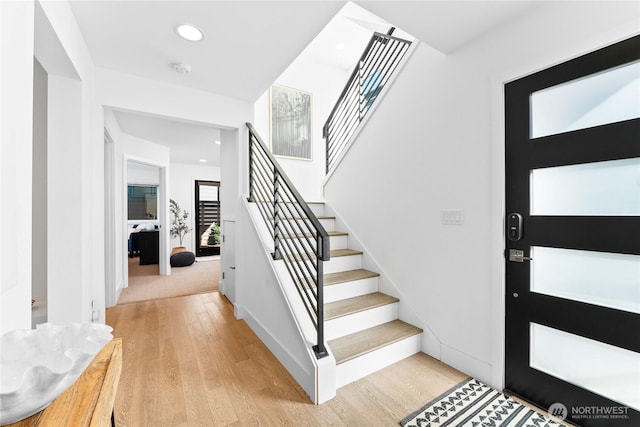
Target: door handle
column 232, row 268
column 516, row 255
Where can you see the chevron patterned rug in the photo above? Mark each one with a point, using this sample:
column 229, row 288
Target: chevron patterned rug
column 474, row 404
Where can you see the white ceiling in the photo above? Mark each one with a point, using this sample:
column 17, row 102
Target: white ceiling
column 449, row 25
column 188, row 142
column 248, row 44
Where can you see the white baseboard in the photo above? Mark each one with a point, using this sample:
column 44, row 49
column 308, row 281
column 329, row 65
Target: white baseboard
column 118, row 292
column 465, row 363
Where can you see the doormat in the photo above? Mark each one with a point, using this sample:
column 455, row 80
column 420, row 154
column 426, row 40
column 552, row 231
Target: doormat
column 472, row 403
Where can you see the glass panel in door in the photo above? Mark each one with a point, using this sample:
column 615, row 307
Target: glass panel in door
column 604, row 369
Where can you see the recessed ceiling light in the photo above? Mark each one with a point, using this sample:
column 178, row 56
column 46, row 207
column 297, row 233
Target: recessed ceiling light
column 217, row 142
column 189, row 32
column 340, row 46
column 203, row 160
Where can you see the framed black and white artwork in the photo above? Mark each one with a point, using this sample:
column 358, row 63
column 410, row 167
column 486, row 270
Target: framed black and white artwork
column 290, row 122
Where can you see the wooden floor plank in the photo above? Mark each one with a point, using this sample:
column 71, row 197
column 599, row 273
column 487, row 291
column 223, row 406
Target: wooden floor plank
column 188, row 362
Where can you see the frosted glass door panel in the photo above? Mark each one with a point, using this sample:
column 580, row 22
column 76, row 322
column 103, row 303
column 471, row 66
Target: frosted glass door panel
column 607, row 97
column 601, row 278
column 609, row 371
column 591, row 189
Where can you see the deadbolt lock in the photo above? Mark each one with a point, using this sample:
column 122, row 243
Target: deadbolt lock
column 516, row 255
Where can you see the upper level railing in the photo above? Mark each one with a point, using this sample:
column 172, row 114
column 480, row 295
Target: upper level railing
column 298, row 237
column 376, row 65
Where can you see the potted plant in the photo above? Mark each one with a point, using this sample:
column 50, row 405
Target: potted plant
column 215, row 232
column 179, row 225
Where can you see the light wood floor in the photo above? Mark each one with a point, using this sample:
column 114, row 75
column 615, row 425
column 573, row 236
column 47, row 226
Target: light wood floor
column 188, row 362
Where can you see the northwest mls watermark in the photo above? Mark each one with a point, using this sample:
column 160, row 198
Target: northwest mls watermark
column 560, row 411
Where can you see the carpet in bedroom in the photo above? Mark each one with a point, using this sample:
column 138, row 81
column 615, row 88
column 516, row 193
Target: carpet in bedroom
column 145, row 283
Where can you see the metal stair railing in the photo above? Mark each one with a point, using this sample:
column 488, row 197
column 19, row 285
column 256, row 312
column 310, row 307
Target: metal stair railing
column 298, row 237
column 376, row 65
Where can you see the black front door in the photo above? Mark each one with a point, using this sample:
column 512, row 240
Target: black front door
column 573, row 237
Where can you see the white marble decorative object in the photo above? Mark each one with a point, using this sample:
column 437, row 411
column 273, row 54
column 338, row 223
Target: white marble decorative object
column 37, row 365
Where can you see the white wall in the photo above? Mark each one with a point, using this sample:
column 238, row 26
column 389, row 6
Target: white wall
column 60, row 48
column 435, row 143
column 16, row 86
column 48, row 31
column 325, row 82
column 268, row 310
column 65, row 222
column 128, row 92
column 39, row 186
column 182, row 190
column 117, row 207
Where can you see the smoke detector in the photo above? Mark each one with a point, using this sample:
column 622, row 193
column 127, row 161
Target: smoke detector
column 181, row 68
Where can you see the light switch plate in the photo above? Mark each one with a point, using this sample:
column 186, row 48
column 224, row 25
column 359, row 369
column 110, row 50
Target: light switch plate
column 452, row 217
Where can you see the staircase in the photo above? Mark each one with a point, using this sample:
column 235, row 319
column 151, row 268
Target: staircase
column 325, row 278
column 362, row 328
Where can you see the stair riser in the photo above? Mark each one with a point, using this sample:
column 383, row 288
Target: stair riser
column 356, row 322
column 317, row 208
column 328, row 224
column 369, row 363
column 339, row 242
column 343, row 263
column 350, row 289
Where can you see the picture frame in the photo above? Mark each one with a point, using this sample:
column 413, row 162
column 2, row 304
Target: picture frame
column 290, row 116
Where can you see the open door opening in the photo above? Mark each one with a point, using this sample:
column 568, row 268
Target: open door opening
column 207, row 220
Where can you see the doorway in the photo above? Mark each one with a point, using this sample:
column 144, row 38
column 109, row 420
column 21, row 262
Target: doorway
column 573, row 237
column 207, row 220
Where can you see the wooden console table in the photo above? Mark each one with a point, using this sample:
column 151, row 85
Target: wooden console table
column 89, row 400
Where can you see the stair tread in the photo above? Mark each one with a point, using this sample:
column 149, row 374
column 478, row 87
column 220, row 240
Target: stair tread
column 348, row 276
column 344, row 252
column 363, row 342
column 331, row 233
column 357, row 304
